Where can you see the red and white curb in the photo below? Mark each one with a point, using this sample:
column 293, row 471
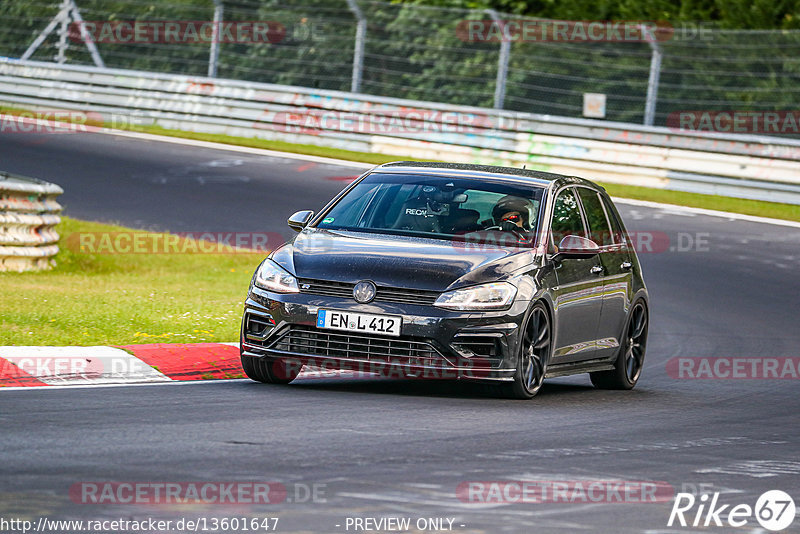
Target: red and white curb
column 161, row 362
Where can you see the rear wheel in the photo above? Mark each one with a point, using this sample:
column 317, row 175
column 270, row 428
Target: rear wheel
column 630, row 359
column 270, row 370
column 534, row 354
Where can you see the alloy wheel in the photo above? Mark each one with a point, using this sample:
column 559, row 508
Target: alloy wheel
column 535, row 350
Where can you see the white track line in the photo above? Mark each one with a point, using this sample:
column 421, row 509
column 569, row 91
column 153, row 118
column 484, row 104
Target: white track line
column 123, row 384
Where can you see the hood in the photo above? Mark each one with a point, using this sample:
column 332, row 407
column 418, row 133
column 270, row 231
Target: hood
column 396, row 261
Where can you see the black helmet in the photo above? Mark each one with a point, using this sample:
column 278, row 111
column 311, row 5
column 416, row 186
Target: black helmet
column 508, row 203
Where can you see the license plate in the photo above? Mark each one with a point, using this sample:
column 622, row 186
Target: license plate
column 388, row 325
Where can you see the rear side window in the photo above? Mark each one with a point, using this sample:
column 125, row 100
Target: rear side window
column 567, row 218
column 617, row 231
column 599, row 232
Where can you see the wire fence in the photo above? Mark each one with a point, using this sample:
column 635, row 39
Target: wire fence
column 456, row 56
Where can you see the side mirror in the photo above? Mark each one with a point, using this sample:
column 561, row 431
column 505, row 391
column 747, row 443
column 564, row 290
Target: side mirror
column 300, row 220
column 575, row 246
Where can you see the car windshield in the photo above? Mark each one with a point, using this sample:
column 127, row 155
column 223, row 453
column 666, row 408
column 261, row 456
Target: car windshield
column 439, row 207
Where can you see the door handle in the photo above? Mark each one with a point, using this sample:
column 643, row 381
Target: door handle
column 596, row 269
column 626, row 265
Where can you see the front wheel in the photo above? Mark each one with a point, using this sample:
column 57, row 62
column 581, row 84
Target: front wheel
column 270, row 370
column 630, row 360
column 534, row 354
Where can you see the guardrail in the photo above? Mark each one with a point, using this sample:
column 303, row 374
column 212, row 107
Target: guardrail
column 746, row 166
column 28, row 216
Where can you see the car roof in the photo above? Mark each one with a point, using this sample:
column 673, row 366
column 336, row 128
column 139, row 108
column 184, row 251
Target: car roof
column 486, row 172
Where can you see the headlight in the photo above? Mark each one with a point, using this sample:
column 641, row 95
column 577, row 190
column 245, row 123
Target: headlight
column 273, row 278
column 493, row 296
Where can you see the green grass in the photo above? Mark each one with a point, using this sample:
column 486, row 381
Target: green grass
column 759, row 208
column 103, row 299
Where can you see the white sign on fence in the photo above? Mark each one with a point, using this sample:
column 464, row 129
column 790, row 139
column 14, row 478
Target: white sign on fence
column 594, row 105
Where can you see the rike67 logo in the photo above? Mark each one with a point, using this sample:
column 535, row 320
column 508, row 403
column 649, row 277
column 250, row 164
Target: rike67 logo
column 774, row 511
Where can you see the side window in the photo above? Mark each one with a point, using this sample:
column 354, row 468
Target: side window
column 617, row 232
column 566, row 217
column 599, row 231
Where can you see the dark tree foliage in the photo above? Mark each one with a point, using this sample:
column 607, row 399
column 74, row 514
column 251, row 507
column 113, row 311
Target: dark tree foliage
column 751, row 59
column 729, row 14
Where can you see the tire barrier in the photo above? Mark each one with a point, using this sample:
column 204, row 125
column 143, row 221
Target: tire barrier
column 29, row 214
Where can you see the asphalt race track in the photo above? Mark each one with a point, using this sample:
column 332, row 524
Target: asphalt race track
column 375, row 448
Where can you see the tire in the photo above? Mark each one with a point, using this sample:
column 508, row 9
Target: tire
column 270, row 370
column 630, row 358
column 535, row 349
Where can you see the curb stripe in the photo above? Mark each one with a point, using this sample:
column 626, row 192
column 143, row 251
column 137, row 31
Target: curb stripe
column 191, row 361
column 13, row 376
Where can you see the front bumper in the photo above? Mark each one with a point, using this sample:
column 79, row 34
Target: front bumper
column 434, row 343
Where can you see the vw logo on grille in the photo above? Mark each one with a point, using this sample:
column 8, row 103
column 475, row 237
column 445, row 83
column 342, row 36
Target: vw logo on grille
column 364, row 291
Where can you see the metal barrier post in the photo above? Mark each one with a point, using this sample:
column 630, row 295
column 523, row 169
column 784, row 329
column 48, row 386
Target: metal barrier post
column 502, row 63
column 213, row 57
column 655, row 73
column 358, row 53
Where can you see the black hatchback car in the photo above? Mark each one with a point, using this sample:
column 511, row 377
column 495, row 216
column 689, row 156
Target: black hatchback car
column 433, row 270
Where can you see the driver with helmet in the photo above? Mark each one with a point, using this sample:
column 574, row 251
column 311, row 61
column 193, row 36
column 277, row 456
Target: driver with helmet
column 513, row 213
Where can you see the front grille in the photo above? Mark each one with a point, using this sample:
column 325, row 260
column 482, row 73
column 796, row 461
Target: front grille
column 313, row 342
column 383, row 294
column 326, row 288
